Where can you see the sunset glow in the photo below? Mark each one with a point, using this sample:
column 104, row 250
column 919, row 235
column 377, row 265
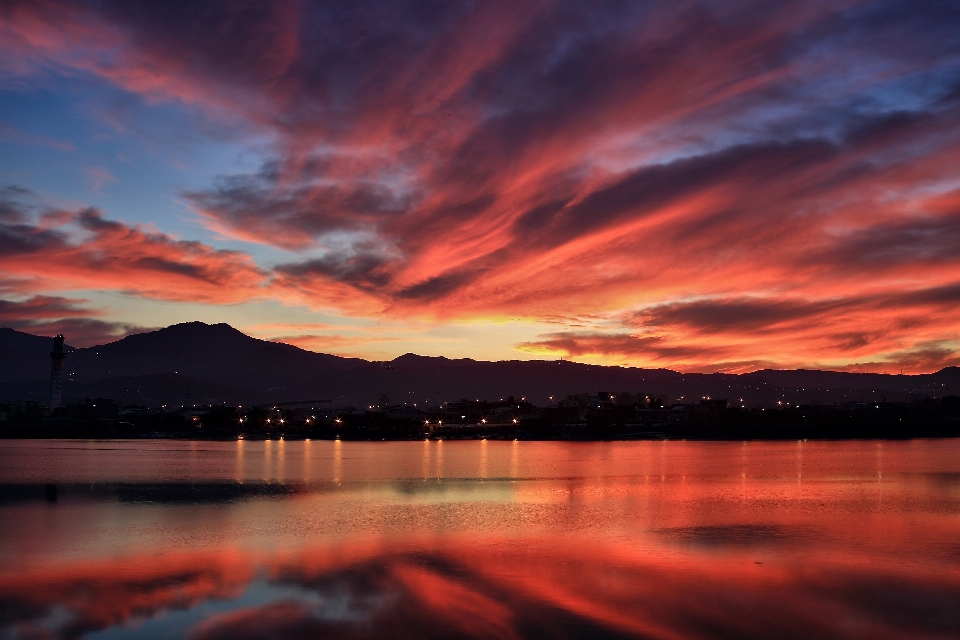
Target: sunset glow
column 701, row 186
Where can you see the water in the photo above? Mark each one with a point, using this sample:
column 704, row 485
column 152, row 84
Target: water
column 482, row 539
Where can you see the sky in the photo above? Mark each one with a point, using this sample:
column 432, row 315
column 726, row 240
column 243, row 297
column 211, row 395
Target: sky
column 700, row 186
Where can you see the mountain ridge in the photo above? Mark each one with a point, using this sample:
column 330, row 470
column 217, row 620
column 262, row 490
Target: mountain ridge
column 222, row 364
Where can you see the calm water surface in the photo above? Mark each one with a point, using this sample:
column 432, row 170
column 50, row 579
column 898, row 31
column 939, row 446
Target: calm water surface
column 483, row 539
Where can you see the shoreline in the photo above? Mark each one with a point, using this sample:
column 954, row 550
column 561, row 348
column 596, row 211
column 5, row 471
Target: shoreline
column 668, row 438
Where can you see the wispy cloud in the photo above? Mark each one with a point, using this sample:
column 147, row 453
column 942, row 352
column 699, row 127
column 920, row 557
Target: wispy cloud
column 724, row 178
column 43, row 250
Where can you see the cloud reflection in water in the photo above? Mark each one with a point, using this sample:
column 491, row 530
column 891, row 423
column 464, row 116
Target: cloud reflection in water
column 448, row 587
column 633, row 540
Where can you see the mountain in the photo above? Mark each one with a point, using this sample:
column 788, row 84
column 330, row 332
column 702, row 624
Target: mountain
column 216, row 353
column 799, row 378
column 197, row 363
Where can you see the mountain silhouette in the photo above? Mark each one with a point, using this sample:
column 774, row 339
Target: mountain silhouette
column 215, row 352
column 198, row 363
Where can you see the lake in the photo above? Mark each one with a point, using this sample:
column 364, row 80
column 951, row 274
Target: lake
column 479, row 539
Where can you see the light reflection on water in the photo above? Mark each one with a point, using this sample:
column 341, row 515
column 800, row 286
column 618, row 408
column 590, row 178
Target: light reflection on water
column 483, row 539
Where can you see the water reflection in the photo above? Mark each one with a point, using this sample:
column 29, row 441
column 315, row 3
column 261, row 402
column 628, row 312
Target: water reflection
column 470, row 588
column 267, row 460
column 307, row 464
column 483, row 539
column 240, row 471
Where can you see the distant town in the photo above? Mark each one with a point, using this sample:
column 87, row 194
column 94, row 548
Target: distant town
column 589, row 415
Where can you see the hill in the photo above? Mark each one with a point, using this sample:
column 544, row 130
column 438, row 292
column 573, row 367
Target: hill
column 194, row 363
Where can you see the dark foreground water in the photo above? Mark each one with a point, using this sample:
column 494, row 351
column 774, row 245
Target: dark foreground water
column 479, row 539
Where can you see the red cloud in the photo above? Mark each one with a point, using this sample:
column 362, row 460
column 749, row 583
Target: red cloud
column 82, row 250
column 517, row 160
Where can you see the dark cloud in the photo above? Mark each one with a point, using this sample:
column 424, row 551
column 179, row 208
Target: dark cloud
column 24, row 239
column 438, row 286
column 259, row 208
column 752, row 315
column 12, row 203
column 890, row 246
column 246, row 43
column 51, row 315
column 83, row 332
column 736, row 315
column 19, row 233
column 854, row 340
column 948, row 295
column 361, row 267
column 649, row 190
column 41, row 307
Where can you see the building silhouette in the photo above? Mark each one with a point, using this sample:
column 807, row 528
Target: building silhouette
column 56, row 372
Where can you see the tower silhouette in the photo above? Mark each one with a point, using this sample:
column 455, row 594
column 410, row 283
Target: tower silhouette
column 56, row 372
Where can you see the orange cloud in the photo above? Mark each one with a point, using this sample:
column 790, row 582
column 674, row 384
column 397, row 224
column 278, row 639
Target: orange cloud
column 82, row 250
column 882, row 331
column 725, row 185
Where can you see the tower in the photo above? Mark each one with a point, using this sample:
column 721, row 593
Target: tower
column 56, row 372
